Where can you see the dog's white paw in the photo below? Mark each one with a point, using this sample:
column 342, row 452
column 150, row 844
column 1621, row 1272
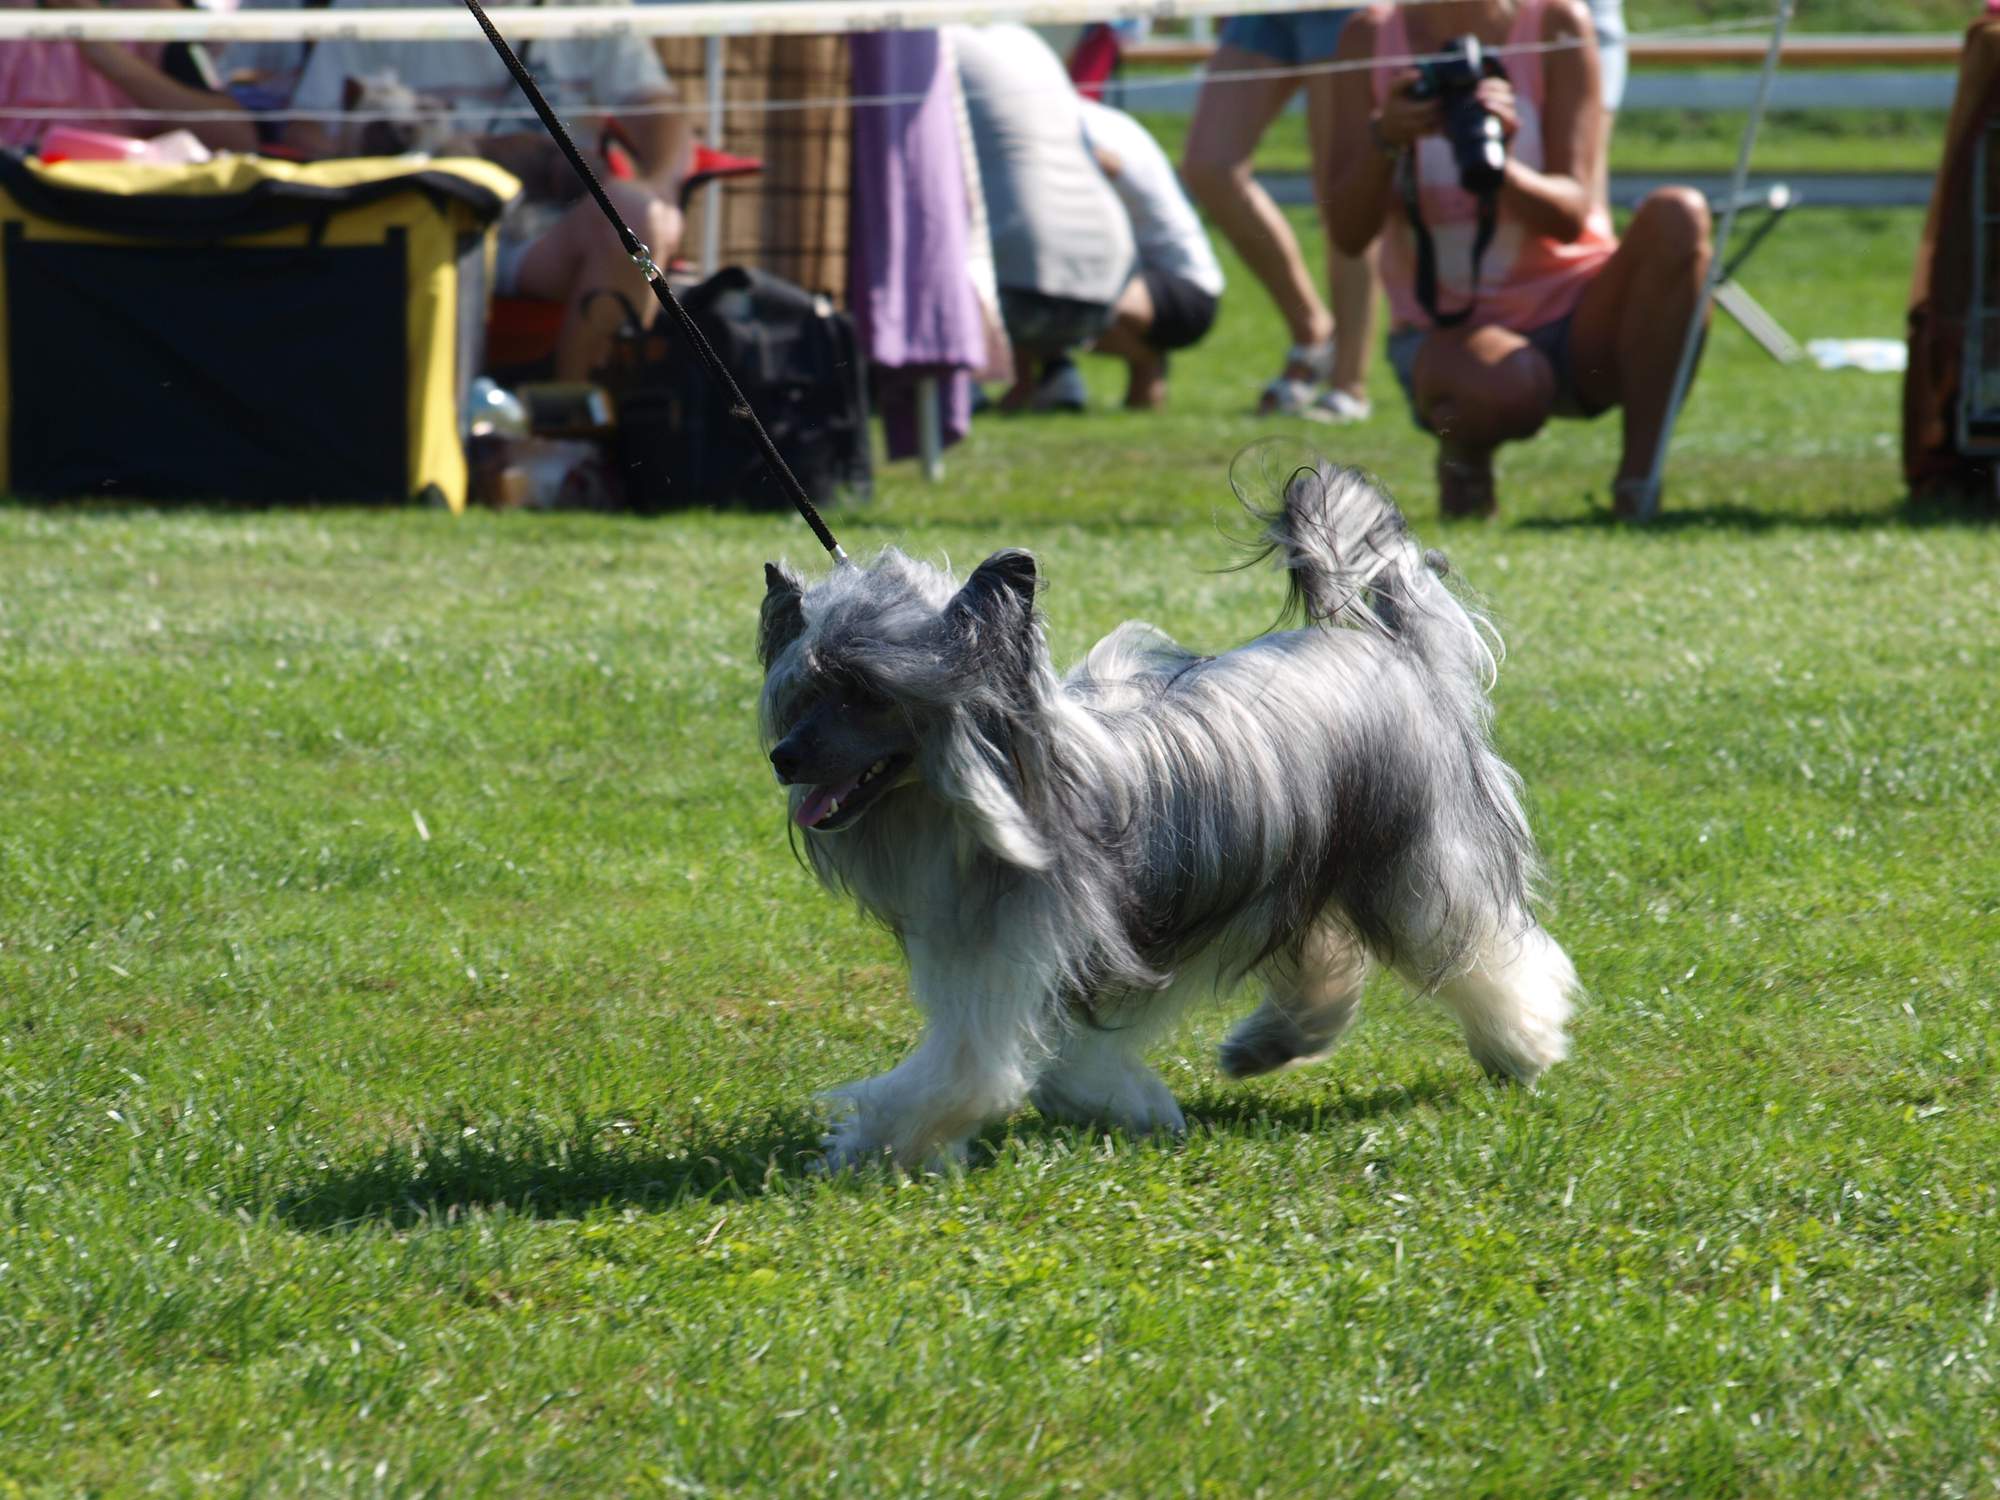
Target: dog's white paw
column 850, row 1143
column 860, row 1138
column 1135, row 1100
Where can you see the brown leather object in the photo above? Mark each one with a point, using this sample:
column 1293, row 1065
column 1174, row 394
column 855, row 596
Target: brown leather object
column 1941, row 288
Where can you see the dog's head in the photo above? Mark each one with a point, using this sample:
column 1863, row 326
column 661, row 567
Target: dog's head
column 882, row 677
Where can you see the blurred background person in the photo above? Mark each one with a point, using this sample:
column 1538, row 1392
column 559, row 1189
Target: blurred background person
column 1325, row 374
column 1537, row 309
column 99, row 79
column 461, row 100
column 1171, row 300
column 1063, row 248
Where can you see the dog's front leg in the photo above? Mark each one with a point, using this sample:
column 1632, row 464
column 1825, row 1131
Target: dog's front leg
column 989, row 1019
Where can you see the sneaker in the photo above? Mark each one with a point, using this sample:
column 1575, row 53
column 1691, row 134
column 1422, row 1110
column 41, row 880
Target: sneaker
column 1341, row 407
column 1062, row 389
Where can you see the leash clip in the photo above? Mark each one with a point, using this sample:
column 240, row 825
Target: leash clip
column 643, row 259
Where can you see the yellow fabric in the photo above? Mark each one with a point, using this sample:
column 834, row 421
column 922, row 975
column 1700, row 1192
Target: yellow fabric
column 436, row 456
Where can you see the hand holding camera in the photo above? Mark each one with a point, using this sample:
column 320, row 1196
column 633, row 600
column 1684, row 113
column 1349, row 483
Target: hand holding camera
column 1463, row 93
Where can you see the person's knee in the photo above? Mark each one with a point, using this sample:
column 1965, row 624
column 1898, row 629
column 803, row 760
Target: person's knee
column 1504, row 400
column 1521, row 394
column 1675, row 220
column 655, row 221
column 662, row 227
column 1209, row 181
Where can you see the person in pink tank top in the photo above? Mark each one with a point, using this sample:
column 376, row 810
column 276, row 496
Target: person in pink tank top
column 111, row 77
column 1561, row 317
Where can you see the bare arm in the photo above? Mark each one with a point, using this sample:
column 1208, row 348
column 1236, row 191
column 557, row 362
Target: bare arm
column 1556, row 200
column 1357, row 181
column 662, row 143
column 149, row 88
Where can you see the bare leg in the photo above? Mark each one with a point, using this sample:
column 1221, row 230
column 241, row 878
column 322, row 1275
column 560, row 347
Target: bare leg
column 1230, row 117
column 1310, row 1001
column 1626, row 339
column 1477, row 389
column 1355, row 283
column 1146, row 386
column 581, row 255
column 1352, row 279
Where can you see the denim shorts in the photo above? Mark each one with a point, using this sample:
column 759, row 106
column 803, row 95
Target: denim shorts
column 1294, row 39
column 1551, row 341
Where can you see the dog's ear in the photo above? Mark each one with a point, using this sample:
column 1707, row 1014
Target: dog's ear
column 782, row 620
column 999, row 596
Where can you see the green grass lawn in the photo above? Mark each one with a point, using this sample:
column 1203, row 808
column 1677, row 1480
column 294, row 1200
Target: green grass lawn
column 1805, row 140
column 1652, row 140
column 410, row 1009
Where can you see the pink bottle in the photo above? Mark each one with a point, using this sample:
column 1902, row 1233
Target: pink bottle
column 68, row 143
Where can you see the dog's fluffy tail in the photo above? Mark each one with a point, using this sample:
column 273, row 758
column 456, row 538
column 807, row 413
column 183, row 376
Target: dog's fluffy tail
column 1353, row 562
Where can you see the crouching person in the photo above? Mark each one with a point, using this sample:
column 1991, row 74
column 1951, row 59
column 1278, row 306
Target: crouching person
column 1170, row 301
column 1516, row 304
column 1062, row 245
column 462, row 101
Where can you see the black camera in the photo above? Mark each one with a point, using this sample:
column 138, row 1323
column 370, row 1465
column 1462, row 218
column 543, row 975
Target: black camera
column 1473, row 130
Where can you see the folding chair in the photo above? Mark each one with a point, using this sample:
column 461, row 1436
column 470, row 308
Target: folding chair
column 1734, row 298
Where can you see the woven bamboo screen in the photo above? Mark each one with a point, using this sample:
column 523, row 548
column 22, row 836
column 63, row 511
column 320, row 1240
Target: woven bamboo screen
column 790, row 219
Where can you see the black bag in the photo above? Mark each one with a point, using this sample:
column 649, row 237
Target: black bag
column 796, row 360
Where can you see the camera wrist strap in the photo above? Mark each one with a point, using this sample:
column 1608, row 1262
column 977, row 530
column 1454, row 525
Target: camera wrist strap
column 684, row 325
column 1489, row 215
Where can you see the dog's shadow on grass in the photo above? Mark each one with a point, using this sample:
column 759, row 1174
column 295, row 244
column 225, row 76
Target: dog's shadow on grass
column 445, row 1174
column 1243, row 1113
column 550, row 1172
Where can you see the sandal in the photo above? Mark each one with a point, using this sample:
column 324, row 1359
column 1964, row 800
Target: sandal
column 1292, row 395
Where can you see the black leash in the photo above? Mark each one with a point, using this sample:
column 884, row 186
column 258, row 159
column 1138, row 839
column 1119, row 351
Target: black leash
column 656, row 279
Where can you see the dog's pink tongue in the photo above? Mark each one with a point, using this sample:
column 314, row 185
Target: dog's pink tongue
column 819, row 801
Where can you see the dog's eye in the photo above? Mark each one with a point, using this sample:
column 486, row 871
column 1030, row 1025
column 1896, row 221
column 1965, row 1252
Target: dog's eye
column 854, row 694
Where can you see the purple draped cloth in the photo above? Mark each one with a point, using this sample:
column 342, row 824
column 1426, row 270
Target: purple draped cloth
column 914, row 306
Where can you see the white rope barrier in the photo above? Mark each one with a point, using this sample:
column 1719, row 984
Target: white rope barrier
column 1129, row 84
column 526, row 22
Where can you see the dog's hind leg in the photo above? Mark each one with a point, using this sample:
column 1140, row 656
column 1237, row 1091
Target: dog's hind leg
column 1311, row 997
column 1099, row 1074
column 1514, row 1002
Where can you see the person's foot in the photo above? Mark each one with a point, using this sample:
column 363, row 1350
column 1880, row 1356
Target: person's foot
column 1146, row 389
column 1307, row 368
column 1341, row 407
column 1019, row 395
column 1465, row 486
column 1061, row 388
column 1635, row 500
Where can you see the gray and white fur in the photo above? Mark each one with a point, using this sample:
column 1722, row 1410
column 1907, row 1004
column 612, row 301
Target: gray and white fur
column 1069, row 861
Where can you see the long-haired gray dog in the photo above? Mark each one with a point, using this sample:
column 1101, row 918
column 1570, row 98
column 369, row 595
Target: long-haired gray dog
column 1069, row 861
